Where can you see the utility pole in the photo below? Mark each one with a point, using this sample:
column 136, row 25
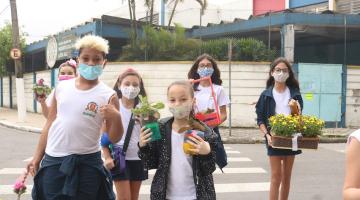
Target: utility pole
column 20, row 93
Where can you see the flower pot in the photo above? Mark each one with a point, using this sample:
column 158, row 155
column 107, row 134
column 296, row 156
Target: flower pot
column 281, row 142
column 154, row 126
column 186, row 145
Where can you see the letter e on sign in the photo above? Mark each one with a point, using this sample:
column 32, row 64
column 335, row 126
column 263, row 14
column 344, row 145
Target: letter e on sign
column 15, row 53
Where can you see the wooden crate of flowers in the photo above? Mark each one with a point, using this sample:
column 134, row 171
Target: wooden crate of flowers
column 295, row 131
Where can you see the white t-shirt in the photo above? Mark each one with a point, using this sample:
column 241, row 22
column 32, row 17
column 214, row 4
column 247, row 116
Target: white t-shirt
column 132, row 151
column 355, row 134
column 181, row 184
column 204, row 99
column 76, row 129
column 282, row 101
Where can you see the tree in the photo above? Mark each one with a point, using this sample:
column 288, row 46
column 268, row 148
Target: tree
column 132, row 12
column 6, row 45
column 150, row 6
column 203, row 6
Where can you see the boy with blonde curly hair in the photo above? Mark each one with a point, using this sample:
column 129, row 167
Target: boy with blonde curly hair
column 69, row 148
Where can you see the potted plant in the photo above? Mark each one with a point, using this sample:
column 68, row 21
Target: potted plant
column 194, row 128
column 41, row 90
column 149, row 115
column 295, row 131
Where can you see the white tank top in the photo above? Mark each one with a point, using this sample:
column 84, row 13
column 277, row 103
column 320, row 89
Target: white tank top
column 76, row 129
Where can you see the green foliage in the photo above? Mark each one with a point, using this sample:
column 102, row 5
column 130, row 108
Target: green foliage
column 146, row 108
column 217, row 48
column 164, row 45
column 250, row 49
column 308, row 126
column 161, row 45
column 6, row 45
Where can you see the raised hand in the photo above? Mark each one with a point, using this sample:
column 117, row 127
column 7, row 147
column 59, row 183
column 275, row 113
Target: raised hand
column 108, row 111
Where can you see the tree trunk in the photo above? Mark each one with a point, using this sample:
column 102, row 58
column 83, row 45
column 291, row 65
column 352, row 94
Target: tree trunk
column 131, row 4
column 134, row 18
column 172, row 13
column 152, row 12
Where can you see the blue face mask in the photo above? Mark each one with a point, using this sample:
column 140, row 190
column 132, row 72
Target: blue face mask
column 205, row 72
column 90, row 72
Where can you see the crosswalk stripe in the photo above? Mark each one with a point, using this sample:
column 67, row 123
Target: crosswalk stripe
column 249, row 170
column 152, row 172
column 28, row 159
column 227, row 187
column 238, row 159
column 341, row 151
column 12, row 170
column 145, row 189
column 227, row 148
column 232, row 152
column 8, row 189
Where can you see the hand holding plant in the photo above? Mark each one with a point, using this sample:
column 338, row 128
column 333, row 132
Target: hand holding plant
column 19, row 186
column 41, row 90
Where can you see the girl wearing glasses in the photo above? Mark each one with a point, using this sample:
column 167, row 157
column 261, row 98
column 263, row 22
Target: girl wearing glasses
column 206, row 66
column 281, row 89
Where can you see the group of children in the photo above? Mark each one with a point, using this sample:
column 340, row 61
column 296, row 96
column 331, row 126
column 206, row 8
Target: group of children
column 82, row 111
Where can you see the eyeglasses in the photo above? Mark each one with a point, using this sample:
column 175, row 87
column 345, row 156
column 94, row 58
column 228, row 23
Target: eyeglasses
column 278, row 70
column 209, row 65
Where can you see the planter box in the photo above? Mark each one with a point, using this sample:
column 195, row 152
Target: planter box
column 280, row 142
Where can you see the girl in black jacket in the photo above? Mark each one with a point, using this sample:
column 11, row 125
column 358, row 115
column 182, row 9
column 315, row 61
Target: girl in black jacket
column 180, row 175
column 281, row 88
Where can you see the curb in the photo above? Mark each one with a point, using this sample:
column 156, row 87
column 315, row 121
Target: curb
column 21, row 128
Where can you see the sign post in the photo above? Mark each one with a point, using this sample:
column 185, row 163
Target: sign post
column 15, row 54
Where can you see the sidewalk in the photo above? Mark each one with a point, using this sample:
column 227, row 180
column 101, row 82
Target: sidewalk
column 34, row 122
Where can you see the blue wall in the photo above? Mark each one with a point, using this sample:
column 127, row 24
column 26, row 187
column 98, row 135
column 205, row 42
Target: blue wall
column 301, row 3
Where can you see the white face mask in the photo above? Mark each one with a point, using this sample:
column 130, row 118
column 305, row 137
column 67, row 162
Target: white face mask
column 280, row 77
column 130, row 92
column 182, row 111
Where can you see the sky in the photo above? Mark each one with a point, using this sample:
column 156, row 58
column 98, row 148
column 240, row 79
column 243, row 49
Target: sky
column 40, row 18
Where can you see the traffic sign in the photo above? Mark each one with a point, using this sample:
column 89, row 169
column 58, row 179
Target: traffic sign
column 15, row 53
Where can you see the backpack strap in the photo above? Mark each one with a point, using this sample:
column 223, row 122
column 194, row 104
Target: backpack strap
column 128, row 134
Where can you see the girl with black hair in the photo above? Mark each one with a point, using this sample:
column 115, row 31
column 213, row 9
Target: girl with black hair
column 127, row 181
column 281, row 89
column 206, row 66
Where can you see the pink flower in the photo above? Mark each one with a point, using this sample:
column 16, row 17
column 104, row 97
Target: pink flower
column 41, row 82
column 19, row 186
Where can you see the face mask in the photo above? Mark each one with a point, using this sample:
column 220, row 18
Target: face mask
column 281, row 77
column 205, row 72
column 90, row 72
column 130, row 92
column 65, row 77
column 181, row 112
